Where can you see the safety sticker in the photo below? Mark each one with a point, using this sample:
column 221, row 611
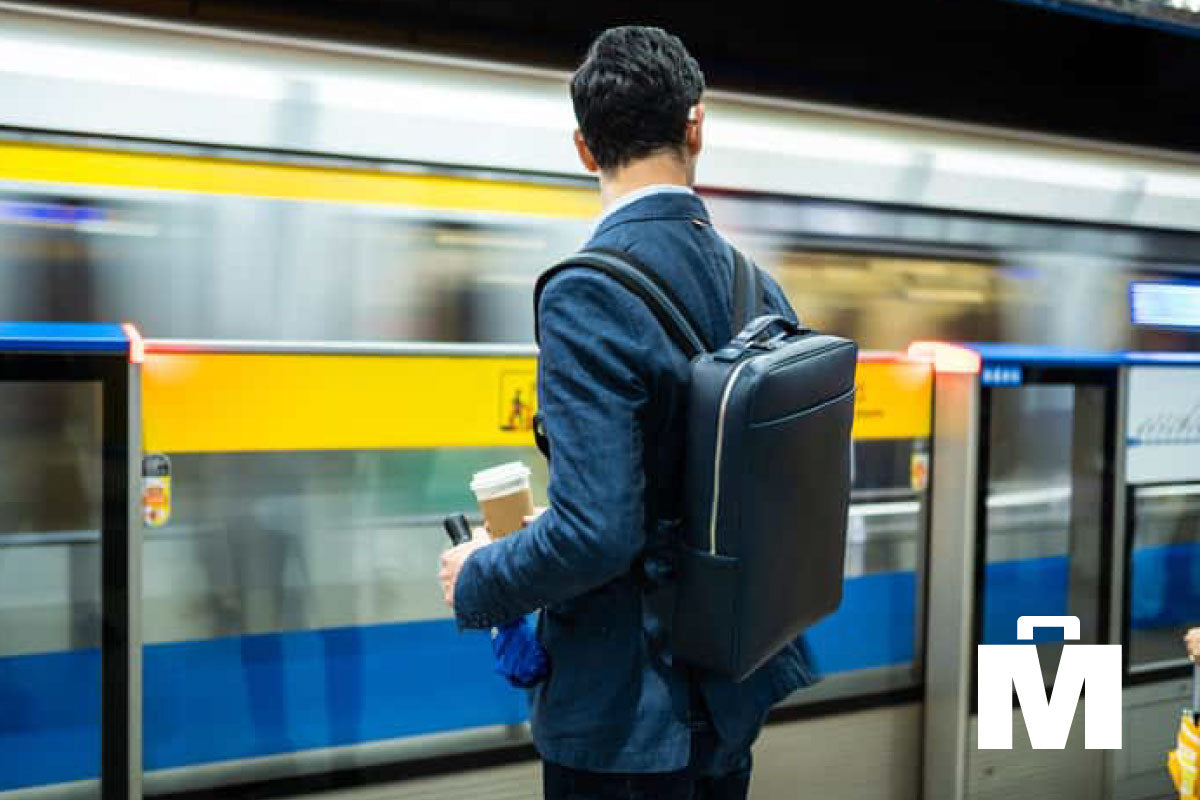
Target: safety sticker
column 918, row 470
column 518, row 400
column 156, row 490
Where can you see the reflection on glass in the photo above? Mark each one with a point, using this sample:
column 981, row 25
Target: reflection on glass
column 882, row 554
column 50, row 475
column 1164, row 590
column 285, row 541
column 291, row 603
column 1028, row 509
column 1044, row 524
column 1028, row 515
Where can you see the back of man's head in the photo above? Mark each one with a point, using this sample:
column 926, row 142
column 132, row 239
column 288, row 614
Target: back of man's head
column 632, row 95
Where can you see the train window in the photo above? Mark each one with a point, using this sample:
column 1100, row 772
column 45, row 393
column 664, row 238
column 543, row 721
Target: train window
column 884, row 558
column 885, row 542
column 1164, row 590
column 1155, row 332
column 1028, row 499
column 219, row 267
column 1043, row 519
column 884, row 301
column 290, row 605
column 50, row 616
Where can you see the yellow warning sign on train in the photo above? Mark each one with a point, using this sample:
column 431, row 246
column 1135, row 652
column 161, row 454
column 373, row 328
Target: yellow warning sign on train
column 893, row 400
column 241, row 402
column 518, row 400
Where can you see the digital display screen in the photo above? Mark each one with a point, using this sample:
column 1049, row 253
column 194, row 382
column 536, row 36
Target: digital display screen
column 1165, row 304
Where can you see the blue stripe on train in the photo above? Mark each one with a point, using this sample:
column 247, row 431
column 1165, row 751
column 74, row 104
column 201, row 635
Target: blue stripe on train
column 1166, row 587
column 1029, row 587
column 1165, row 592
column 873, row 627
column 49, row 718
column 240, row 697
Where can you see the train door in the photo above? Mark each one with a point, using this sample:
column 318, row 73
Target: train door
column 1021, row 526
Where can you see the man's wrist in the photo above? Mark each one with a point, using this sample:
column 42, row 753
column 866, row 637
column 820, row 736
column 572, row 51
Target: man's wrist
column 466, row 605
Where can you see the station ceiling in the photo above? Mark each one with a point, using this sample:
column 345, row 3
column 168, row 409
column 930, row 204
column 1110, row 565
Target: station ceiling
column 995, row 62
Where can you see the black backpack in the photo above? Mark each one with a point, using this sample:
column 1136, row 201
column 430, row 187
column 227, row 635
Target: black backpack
column 767, row 471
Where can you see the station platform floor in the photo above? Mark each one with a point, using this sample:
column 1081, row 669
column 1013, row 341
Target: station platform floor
column 791, row 759
column 519, row 781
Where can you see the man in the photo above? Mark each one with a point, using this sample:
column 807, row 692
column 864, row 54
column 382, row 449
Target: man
column 617, row 716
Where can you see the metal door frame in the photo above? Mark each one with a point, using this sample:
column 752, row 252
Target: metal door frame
column 108, row 356
column 1050, row 375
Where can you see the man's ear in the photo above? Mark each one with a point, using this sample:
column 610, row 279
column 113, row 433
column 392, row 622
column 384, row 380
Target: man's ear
column 694, row 138
column 585, row 155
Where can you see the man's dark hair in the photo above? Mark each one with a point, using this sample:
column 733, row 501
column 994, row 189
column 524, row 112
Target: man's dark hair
column 633, row 92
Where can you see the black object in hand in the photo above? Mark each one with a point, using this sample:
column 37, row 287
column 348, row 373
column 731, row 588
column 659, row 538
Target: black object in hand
column 457, row 528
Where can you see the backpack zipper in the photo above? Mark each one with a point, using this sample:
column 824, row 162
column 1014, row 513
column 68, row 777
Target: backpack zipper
column 725, row 395
column 808, row 354
column 716, row 501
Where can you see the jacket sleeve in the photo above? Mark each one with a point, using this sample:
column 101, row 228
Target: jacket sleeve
column 592, row 394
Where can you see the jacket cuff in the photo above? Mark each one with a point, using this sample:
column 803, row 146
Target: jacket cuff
column 470, row 602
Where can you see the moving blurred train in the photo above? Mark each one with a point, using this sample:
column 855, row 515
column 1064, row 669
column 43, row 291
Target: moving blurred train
column 220, row 187
column 216, row 185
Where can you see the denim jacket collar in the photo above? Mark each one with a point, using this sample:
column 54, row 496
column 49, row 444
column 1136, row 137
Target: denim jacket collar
column 657, row 206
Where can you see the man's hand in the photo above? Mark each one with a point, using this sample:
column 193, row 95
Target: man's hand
column 1192, row 640
column 455, row 557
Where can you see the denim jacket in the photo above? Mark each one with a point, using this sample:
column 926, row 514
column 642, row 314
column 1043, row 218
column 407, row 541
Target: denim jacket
column 599, row 561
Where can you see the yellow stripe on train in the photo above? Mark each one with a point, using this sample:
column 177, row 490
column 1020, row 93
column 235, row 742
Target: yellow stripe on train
column 94, row 167
column 235, row 402
column 238, row 402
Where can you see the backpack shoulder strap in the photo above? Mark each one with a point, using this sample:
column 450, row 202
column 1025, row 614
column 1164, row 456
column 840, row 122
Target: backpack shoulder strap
column 636, row 278
column 747, row 291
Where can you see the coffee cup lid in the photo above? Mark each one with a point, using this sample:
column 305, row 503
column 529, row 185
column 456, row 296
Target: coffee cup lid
column 500, row 479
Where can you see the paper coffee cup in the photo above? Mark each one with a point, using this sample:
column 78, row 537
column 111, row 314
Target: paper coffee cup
column 504, row 497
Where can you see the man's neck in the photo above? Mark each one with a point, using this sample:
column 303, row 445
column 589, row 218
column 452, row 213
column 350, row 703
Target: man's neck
column 654, row 171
